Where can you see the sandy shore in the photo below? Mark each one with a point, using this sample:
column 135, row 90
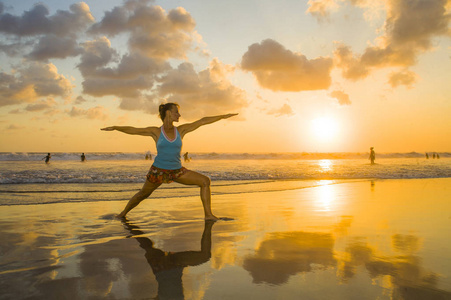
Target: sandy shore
column 387, row 239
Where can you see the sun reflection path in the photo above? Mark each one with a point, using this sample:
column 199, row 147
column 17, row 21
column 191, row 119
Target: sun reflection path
column 325, row 165
column 325, row 195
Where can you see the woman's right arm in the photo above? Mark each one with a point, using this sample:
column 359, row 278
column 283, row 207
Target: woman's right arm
column 148, row 131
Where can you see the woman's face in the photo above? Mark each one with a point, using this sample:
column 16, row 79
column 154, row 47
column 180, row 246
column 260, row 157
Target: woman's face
column 175, row 115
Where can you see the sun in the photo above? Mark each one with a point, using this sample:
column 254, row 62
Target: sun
column 324, row 128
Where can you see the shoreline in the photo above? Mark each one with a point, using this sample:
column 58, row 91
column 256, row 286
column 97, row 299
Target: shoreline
column 78, row 192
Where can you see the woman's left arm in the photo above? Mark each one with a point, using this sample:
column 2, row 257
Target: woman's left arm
column 185, row 128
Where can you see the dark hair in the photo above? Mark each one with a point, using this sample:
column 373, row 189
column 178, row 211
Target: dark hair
column 164, row 108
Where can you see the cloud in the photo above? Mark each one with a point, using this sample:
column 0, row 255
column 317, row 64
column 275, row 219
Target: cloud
column 96, row 54
column 29, row 83
column 279, row 69
column 406, row 77
column 93, row 113
column 153, row 32
column 202, row 93
column 80, row 100
column 409, row 30
column 285, row 110
column 133, row 73
column 49, row 36
column 342, row 97
column 15, row 48
column 284, row 254
column 141, row 77
column 351, row 66
column 146, row 103
column 320, row 9
column 52, row 46
column 41, row 105
column 36, row 21
column 45, row 80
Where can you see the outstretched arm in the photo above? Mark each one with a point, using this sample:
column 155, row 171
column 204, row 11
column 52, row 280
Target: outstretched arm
column 185, row 128
column 148, row 131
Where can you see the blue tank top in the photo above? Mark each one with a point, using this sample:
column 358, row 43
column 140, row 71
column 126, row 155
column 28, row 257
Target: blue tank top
column 168, row 152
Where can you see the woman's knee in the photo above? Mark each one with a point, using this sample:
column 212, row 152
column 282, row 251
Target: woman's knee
column 205, row 181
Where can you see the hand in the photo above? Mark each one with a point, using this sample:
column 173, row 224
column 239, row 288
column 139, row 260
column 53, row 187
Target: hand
column 230, row 115
column 111, row 128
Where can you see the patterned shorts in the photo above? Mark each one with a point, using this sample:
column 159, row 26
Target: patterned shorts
column 157, row 175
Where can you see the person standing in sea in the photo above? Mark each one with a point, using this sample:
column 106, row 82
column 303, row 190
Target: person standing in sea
column 372, row 155
column 47, row 158
column 167, row 166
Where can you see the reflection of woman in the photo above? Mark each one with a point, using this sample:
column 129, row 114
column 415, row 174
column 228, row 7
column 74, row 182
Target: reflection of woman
column 167, row 166
column 168, row 266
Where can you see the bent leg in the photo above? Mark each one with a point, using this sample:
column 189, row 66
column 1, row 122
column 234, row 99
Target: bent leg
column 145, row 192
column 194, row 178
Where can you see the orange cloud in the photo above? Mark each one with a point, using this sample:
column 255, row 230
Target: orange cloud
column 320, row 9
column 285, row 110
column 342, row 97
column 153, row 32
column 133, row 74
column 279, row 69
column 407, row 78
column 410, row 28
column 41, row 105
column 97, row 113
column 31, row 82
column 202, row 93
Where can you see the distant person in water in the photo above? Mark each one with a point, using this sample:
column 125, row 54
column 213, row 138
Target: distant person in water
column 83, row 157
column 427, row 155
column 167, row 166
column 372, row 157
column 148, row 156
column 185, row 157
column 47, row 158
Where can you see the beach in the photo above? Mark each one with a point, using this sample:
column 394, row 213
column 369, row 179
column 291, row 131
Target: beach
column 322, row 239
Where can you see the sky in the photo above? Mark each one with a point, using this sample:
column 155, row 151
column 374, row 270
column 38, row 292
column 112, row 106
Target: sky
column 304, row 76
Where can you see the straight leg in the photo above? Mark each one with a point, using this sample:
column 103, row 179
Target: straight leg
column 145, row 192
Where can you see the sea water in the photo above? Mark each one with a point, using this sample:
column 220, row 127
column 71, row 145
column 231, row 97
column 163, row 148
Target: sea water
column 26, row 179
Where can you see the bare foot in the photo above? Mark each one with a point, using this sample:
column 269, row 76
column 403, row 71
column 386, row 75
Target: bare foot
column 211, row 218
column 120, row 216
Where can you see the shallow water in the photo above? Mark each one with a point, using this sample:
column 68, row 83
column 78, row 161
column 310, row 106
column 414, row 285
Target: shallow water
column 371, row 239
column 33, row 182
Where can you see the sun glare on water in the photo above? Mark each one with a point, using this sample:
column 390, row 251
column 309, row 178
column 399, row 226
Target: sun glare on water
column 324, row 129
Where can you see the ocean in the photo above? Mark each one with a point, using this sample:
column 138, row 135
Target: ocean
column 25, row 178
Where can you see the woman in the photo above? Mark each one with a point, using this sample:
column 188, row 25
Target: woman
column 167, row 166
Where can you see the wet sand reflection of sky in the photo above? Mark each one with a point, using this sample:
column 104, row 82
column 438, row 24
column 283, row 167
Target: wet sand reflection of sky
column 375, row 247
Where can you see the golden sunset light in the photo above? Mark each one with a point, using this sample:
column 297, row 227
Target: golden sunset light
column 71, row 68
column 325, row 129
column 207, row 149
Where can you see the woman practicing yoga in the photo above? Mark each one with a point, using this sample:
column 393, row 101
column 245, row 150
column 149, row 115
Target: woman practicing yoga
column 167, row 166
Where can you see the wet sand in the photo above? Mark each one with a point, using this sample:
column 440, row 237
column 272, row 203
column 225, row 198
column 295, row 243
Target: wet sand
column 387, row 239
